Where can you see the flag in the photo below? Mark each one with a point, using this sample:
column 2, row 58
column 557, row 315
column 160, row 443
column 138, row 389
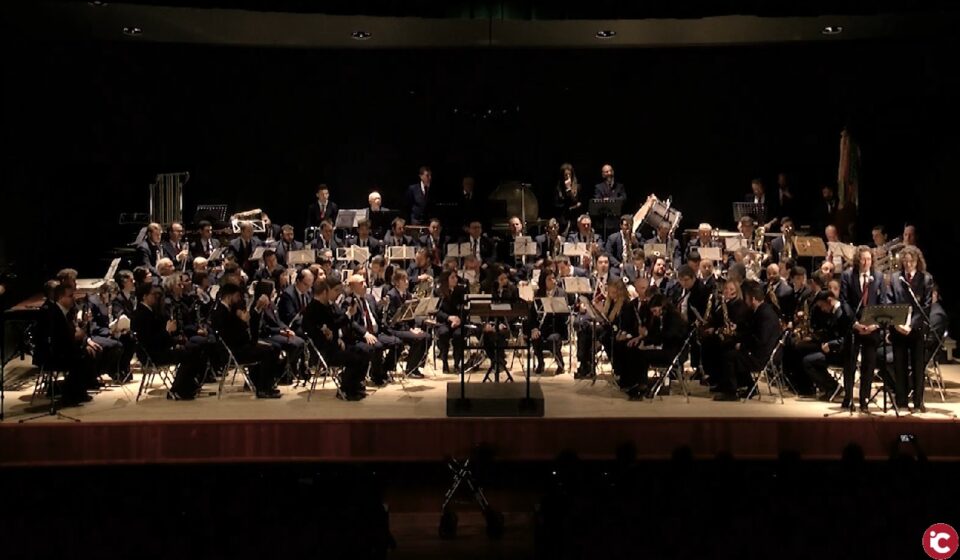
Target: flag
column 848, row 174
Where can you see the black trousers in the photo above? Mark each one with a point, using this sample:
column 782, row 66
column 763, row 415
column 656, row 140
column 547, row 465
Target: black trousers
column 383, row 355
column 553, row 342
column 634, row 363
column 444, row 336
column 737, row 366
column 586, row 337
column 815, row 367
column 417, row 347
column 794, row 354
column 866, row 348
column 354, row 362
column 713, row 349
column 268, row 367
column 909, row 357
column 190, row 358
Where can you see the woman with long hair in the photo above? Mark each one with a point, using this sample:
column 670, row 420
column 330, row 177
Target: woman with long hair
column 568, row 198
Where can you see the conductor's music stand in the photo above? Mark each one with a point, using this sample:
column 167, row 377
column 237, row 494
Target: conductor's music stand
column 756, row 211
column 348, row 219
column 884, row 316
column 606, row 209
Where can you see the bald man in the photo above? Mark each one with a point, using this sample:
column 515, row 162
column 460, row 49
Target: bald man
column 369, row 326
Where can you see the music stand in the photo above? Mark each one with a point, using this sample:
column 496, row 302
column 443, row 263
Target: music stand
column 577, row 285
column 885, row 316
column 355, row 253
column 810, row 246
column 658, row 249
column 302, row 257
column 217, row 254
column 401, row 253
column 405, row 312
column 213, row 213
column 607, row 209
column 846, row 250
column 574, row 249
column 756, row 211
column 710, row 253
column 258, row 253
column 731, row 244
column 348, row 219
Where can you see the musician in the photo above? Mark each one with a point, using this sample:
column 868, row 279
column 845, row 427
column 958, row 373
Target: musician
column 363, row 238
column 418, row 197
column 779, row 293
column 165, row 269
column 205, row 244
column 636, row 267
column 658, row 276
column 909, row 235
column 410, row 332
column 663, row 236
column 111, row 359
column 287, row 244
column 67, row 347
column 480, row 245
column 452, row 298
column 326, row 240
column 377, row 274
column 620, row 245
column 179, row 305
column 231, row 321
column 912, row 286
column 497, row 329
column 568, row 198
column 859, row 289
column 782, row 247
column 473, row 276
column 655, row 342
column 723, row 331
column 690, row 293
column 758, row 195
column 323, row 323
column 381, row 346
column 270, row 264
column 174, row 248
column 756, row 347
column 704, row 237
column 396, row 236
column 142, row 275
column 295, row 299
column 271, row 232
column 603, row 273
column 609, row 187
column 266, row 326
column 155, row 334
column 150, row 250
column 584, row 232
column 242, row 248
column 422, row 269
column 125, row 301
column 551, row 329
column 435, row 242
column 322, row 208
column 832, row 344
column 550, row 242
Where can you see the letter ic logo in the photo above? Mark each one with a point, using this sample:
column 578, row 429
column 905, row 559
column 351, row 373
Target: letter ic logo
column 940, row 541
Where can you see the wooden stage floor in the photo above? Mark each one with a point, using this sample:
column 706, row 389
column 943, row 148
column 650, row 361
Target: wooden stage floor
column 398, row 423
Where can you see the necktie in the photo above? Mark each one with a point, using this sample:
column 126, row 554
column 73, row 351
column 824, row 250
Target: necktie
column 865, row 288
column 909, row 278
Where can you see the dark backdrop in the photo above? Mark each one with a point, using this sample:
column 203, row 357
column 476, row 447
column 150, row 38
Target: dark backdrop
column 87, row 126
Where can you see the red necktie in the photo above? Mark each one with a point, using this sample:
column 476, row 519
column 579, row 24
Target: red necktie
column 865, row 288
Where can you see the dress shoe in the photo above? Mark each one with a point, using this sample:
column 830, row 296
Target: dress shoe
column 635, row 395
column 539, row 369
column 847, row 403
column 446, row 368
column 920, row 408
column 415, row 374
column 352, row 397
column 726, row 397
column 864, row 405
column 559, row 369
column 268, row 394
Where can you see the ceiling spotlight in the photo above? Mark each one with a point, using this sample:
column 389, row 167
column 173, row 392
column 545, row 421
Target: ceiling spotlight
column 832, row 30
column 361, row 35
column 132, row 31
column 97, row 3
column 606, row 34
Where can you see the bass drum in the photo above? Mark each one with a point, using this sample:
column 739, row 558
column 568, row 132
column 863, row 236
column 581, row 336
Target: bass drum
column 520, row 201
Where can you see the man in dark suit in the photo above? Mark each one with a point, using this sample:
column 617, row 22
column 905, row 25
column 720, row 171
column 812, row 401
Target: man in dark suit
column 323, row 322
column 206, row 243
column 117, row 350
column 779, row 245
column 232, row 324
column 322, row 208
column 67, row 348
column 295, row 299
column 826, row 210
column 636, row 267
column 418, row 198
column 435, row 242
column 382, row 347
column 175, row 248
column 758, row 195
column 690, row 294
column 672, row 245
column 620, row 245
column 779, row 292
column 242, row 249
column 752, row 354
column 287, row 244
column 396, row 236
column 550, row 242
column 408, row 332
column 860, row 289
column 480, row 244
column 609, row 187
column 364, row 239
column 154, row 333
column 912, row 286
column 659, row 278
column 271, row 264
column 422, row 268
column 833, row 345
column 327, row 240
column 265, row 325
column 584, row 232
column 150, row 250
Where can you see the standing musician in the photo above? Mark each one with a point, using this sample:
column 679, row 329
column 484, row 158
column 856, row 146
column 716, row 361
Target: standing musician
column 609, row 187
column 568, row 198
column 231, row 321
column 322, row 208
column 452, row 299
column 155, row 333
column 287, row 244
column 859, row 289
column 551, row 328
column 913, row 286
column 150, row 250
column 755, row 347
column 175, row 248
column 410, row 332
column 328, row 327
column 418, row 197
column 621, row 245
column 206, row 243
column 382, row 347
column 266, row 326
column 656, row 343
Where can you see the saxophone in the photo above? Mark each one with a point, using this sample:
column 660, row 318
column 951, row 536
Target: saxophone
column 802, row 322
column 728, row 327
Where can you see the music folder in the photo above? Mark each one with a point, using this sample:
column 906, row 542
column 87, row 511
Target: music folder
column 426, row 307
column 885, row 315
column 710, row 253
column 400, row 253
column 524, row 246
column 217, row 254
column 355, row 253
column 810, row 246
column 652, row 249
column 554, row 305
column 845, row 250
column 578, row 249
column 258, row 253
column 732, row 244
column 577, row 285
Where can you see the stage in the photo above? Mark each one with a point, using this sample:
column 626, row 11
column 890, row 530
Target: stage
column 408, row 423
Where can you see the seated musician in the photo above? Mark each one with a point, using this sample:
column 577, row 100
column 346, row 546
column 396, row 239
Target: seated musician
column 409, row 332
column 621, row 245
column 375, row 213
column 124, row 301
column 165, row 269
column 396, row 236
column 473, row 276
column 150, row 250
column 323, row 321
column 588, row 331
column 779, row 293
column 704, row 237
column 266, row 326
column 755, row 346
column 691, row 294
column 295, row 299
column 66, row 347
column 231, row 321
column 364, row 311
column 449, row 320
column 363, row 238
column 377, row 274
column 435, row 242
column 673, row 254
column 550, row 243
column 287, row 244
column 175, row 248
column 181, row 305
column 654, row 342
column 422, row 268
column 550, row 330
column 269, row 264
column 782, row 247
column 242, row 248
column 117, row 346
column 155, row 333
column 496, row 329
column 635, row 267
column 480, row 245
column 516, row 265
column 584, row 232
column 831, row 344
column 206, row 243
column 327, row 240
column 272, row 232
column 658, row 276
column 726, row 324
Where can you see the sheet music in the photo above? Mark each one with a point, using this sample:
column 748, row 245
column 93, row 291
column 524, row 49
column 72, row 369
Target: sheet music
column 650, row 249
column 458, row 250
column 710, row 253
column 303, row 256
column 258, row 253
column 577, row 285
column 734, row 243
column 575, row 249
column 112, row 271
column 524, row 246
column 845, row 250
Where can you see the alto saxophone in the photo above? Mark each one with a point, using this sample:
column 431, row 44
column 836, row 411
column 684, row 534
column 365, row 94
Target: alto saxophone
column 728, row 327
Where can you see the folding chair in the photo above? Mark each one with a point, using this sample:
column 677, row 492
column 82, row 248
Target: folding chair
column 771, row 372
column 932, row 371
column 322, row 369
column 234, row 365
column 149, row 370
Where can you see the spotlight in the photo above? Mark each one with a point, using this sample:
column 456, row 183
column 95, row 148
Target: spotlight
column 606, row 34
column 361, row 35
column 832, row 30
column 97, row 3
column 132, row 31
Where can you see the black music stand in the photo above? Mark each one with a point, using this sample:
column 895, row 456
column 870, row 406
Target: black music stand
column 884, row 316
column 756, row 211
column 607, row 209
column 213, row 213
